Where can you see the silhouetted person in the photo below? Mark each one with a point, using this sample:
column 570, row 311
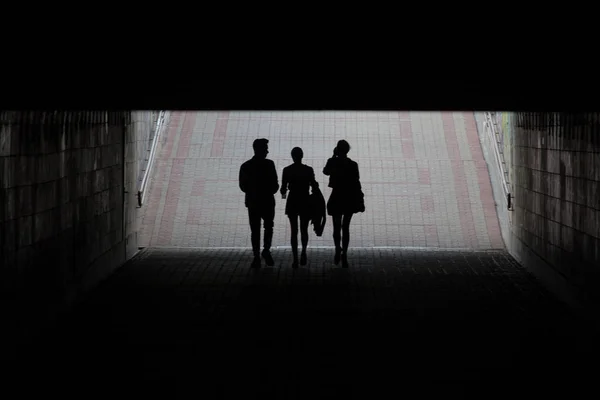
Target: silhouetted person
column 298, row 178
column 346, row 197
column 258, row 179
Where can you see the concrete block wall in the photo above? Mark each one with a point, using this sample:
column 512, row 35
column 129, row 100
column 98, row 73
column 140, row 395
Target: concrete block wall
column 144, row 140
column 64, row 200
column 556, row 160
column 554, row 165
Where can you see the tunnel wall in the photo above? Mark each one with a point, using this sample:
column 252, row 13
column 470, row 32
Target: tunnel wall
column 136, row 150
column 68, row 209
column 144, row 140
column 556, row 160
column 554, row 165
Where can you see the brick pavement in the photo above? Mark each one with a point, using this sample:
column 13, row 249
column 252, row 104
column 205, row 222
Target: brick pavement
column 401, row 322
column 425, row 180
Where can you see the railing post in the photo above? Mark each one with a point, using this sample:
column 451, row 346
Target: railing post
column 147, row 171
column 488, row 126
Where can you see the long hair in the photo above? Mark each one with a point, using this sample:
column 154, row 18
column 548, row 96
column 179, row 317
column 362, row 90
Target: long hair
column 342, row 148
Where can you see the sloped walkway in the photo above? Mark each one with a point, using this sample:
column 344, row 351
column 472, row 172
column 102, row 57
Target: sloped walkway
column 425, row 180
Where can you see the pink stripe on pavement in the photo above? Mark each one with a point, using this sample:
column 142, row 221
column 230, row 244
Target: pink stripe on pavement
column 465, row 215
column 220, row 134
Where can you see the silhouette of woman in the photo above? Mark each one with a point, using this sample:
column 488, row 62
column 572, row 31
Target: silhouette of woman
column 297, row 178
column 346, row 198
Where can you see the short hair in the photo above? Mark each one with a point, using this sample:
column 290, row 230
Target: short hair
column 260, row 144
column 297, row 153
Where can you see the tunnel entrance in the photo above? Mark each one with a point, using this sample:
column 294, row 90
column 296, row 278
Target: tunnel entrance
column 425, row 180
column 434, row 313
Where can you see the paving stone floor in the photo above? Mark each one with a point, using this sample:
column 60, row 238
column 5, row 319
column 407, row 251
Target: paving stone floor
column 424, row 176
column 199, row 323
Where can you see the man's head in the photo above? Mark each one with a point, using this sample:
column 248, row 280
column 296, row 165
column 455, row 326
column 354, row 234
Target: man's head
column 261, row 148
column 297, row 154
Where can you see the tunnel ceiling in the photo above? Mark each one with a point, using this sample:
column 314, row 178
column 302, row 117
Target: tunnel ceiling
column 193, row 94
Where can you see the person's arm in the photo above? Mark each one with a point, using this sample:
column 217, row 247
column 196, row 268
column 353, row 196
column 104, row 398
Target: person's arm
column 284, row 182
column 313, row 182
column 358, row 177
column 273, row 180
column 243, row 179
column 327, row 169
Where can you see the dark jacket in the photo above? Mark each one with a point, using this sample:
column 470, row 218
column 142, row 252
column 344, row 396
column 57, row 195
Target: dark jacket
column 343, row 174
column 344, row 178
column 298, row 179
column 318, row 211
column 258, row 179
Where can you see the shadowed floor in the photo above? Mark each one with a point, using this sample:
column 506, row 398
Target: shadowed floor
column 201, row 323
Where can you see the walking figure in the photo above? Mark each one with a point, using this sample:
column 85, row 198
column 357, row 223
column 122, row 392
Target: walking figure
column 298, row 178
column 258, row 180
column 346, row 198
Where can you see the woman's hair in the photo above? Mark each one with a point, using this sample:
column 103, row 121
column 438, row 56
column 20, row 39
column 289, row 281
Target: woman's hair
column 342, row 147
column 297, row 153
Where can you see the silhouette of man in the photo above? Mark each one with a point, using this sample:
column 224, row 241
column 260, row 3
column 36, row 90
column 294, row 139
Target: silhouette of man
column 258, row 179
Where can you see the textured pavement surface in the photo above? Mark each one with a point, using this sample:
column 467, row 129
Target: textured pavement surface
column 425, row 180
column 185, row 323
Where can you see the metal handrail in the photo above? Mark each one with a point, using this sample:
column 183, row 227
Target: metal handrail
column 147, row 171
column 490, row 128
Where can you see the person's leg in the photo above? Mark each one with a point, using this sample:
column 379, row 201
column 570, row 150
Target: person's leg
column 294, row 238
column 346, row 231
column 337, row 227
column 254, row 217
column 268, row 216
column 304, row 220
column 345, row 237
